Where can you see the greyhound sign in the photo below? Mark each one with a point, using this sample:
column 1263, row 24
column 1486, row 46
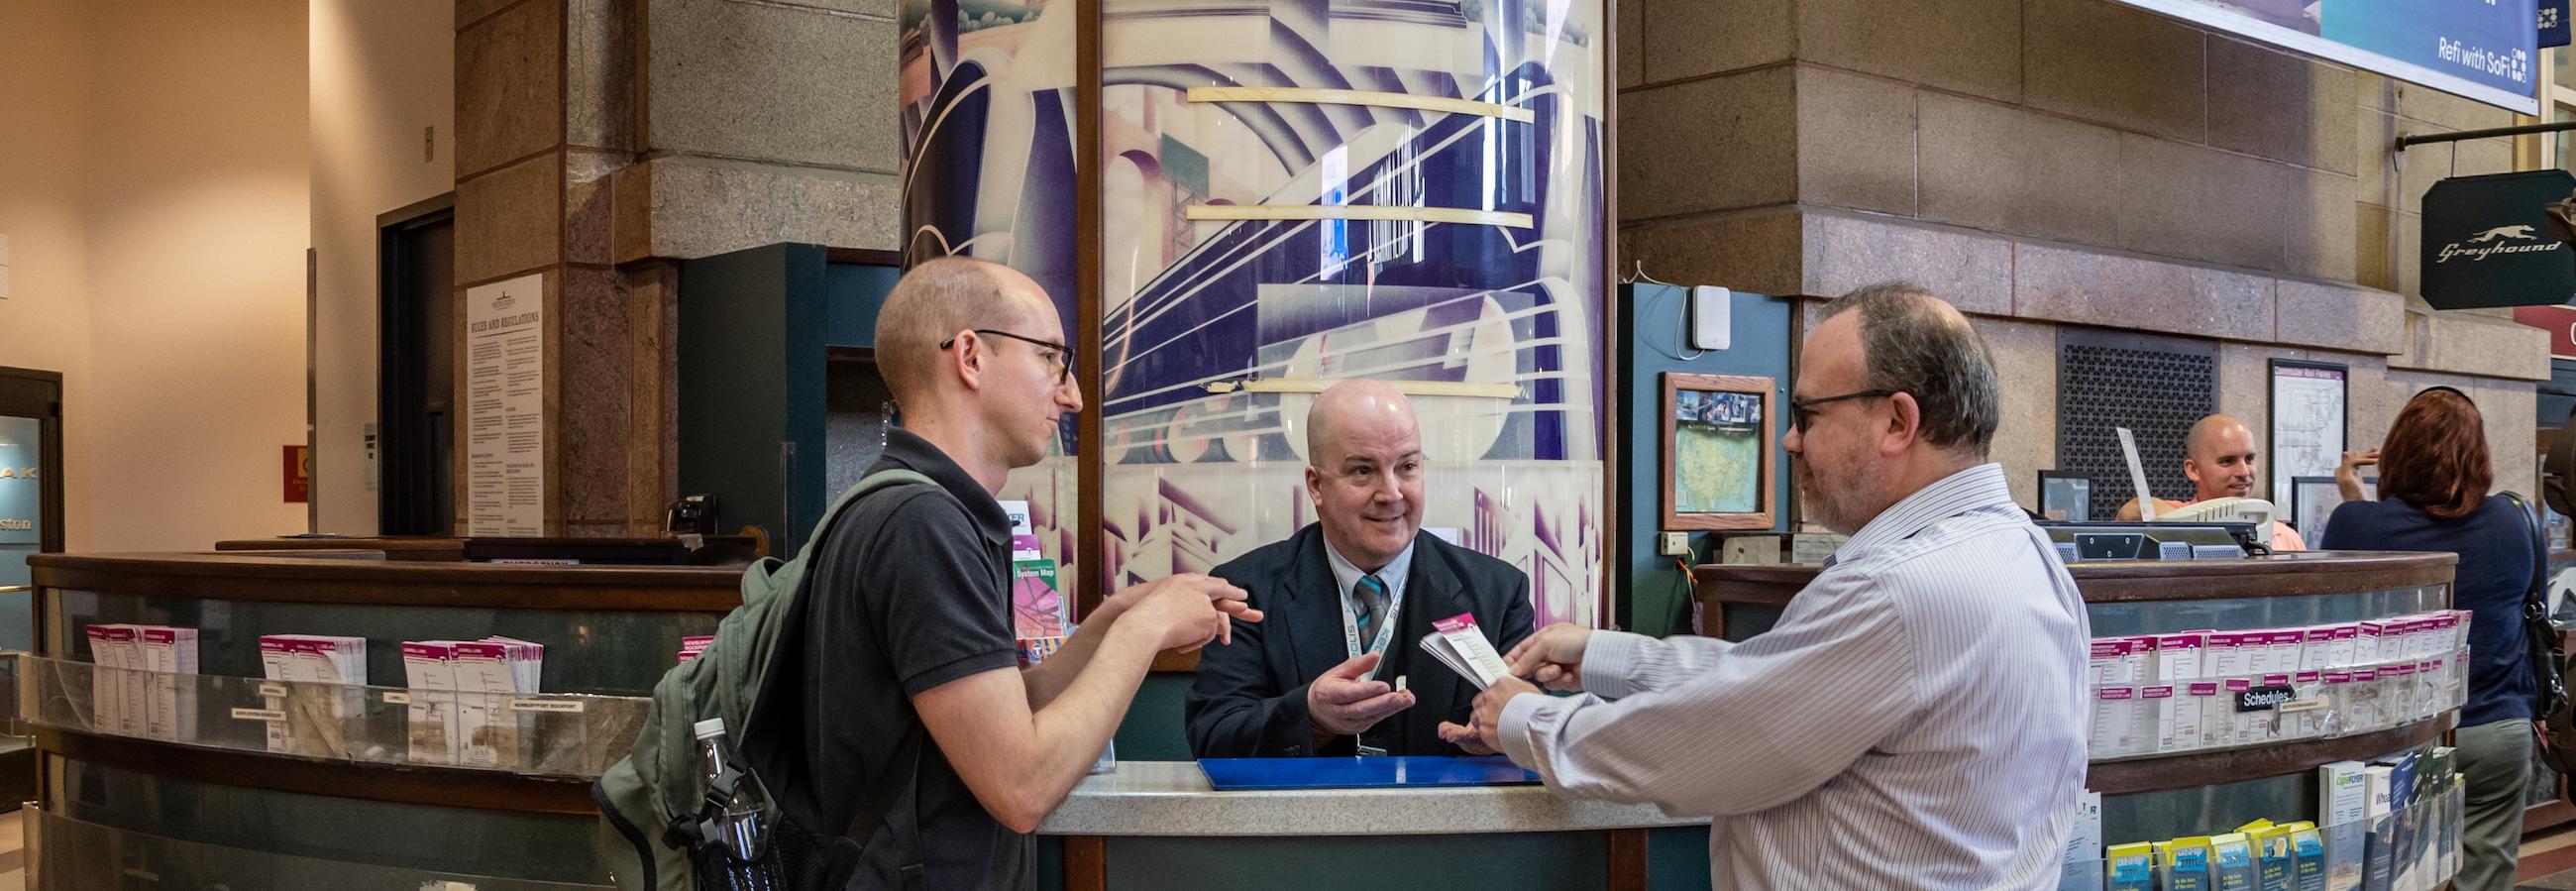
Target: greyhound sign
column 2487, row 241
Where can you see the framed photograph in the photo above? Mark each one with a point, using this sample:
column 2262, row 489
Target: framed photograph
column 2308, row 429
column 2313, row 499
column 2065, row 497
column 1719, row 452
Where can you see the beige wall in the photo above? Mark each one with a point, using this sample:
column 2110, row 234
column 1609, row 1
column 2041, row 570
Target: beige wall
column 381, row 73
column 45, row 322
column 177, row 308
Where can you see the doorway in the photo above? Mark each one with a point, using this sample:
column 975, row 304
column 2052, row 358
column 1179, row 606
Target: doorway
column 31, row 492
column 31, row 522
column 416, row 374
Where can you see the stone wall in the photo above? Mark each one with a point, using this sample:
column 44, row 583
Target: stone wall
column 600, row 140
column 2062, row 162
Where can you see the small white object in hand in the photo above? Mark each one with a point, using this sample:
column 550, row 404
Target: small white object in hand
column 1399, row 683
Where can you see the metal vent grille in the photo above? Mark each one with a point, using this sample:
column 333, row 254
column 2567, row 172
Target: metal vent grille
column 2156, row 393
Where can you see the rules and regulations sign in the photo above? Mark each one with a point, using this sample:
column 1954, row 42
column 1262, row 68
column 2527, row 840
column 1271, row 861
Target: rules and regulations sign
column 505, row 401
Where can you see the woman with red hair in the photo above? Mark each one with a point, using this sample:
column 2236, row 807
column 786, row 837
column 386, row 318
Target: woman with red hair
column 2433, row 480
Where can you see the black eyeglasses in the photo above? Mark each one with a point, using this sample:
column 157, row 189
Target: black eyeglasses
column 1063, row 354
column 1802, row 412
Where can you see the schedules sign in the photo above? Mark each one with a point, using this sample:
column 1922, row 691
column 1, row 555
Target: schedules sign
column 2487, row 242
column 2487, row 50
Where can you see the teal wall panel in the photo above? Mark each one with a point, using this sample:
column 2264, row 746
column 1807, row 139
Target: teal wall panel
column 853, row 294
column 451, row 840
column 1677, row 858
column 1152, row 729
column 1554, row 860
column 754, row 327
column 751, row 380
column 1653, row 596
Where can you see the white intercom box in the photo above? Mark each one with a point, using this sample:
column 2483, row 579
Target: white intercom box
column 1710, row 308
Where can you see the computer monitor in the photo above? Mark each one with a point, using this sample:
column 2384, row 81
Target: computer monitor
column 2065, row 496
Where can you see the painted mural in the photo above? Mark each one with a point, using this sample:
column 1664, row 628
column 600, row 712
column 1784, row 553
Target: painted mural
column 1502, row 319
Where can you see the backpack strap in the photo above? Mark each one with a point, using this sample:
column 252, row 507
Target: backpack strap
column 869, row 484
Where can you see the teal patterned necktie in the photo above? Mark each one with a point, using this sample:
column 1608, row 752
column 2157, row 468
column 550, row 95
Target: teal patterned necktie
column 1368, row 598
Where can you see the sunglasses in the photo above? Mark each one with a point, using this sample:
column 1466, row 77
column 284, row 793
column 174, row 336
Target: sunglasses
column 1063, row 354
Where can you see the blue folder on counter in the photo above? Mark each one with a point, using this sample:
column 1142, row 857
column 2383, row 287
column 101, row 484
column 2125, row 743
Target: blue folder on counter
column 1247, row 774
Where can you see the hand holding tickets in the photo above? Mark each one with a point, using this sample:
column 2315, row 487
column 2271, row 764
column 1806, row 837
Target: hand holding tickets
column 1345, row 702
column 1458, row 645
column 1553, row 657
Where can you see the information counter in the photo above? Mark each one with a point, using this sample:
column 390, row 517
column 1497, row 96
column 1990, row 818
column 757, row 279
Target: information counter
column 218, row 795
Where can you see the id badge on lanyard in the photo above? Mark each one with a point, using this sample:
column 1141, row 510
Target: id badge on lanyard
column 1385, row 633
column 1385, row 630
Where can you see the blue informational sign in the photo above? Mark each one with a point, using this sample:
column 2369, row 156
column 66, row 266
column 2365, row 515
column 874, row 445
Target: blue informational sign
column 2553, row 23
column 2487, row 50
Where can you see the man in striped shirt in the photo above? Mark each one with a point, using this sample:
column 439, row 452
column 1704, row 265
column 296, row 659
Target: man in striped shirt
column 1916, row 719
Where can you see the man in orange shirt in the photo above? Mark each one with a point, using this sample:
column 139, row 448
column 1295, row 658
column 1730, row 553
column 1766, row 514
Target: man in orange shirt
column 2222, row 463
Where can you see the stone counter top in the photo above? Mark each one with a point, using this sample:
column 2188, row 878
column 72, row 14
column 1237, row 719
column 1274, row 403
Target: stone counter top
column 1172, row 798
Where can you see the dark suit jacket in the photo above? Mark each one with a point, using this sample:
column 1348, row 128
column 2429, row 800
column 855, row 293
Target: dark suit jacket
column 1250, row 697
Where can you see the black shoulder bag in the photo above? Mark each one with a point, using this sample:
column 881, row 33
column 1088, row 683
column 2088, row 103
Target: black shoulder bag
column 2553, row 726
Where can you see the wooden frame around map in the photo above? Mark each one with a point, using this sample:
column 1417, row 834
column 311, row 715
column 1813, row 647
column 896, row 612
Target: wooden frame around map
column 1766, row 499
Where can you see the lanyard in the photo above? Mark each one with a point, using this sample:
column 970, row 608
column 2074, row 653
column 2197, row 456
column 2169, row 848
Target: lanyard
column 1385, row 627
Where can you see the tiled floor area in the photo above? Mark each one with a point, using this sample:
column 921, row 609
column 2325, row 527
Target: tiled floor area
column 2548, row 861
column 13, row 859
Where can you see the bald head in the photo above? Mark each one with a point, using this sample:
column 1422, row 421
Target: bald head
column 1364, row 471
column 937, row 299
column 1354, row 406
column 2220, row 458
column 2210, row 432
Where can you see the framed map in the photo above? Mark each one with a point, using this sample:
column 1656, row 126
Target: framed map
column 2308, row 425
column 1718, row 452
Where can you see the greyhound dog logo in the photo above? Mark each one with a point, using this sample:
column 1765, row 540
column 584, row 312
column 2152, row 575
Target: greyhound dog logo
column 2499, row 240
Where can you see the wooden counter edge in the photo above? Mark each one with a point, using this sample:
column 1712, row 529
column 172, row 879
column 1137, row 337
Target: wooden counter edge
column 2193, row 769
column 2144, row 580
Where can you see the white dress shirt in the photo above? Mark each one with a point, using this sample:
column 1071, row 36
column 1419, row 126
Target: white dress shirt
column 1346, row 574
column 1916, row 719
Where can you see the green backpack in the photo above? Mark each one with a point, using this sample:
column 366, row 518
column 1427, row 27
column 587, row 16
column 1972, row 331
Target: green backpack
column 658, row 783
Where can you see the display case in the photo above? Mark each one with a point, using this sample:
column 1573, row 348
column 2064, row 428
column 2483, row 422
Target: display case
column 313, row 784
column 2209, row 788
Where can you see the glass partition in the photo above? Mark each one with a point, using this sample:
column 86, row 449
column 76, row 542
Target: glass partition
column 2417, row 846
column 563, row 735
column 587, row 651
column 203, row 835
